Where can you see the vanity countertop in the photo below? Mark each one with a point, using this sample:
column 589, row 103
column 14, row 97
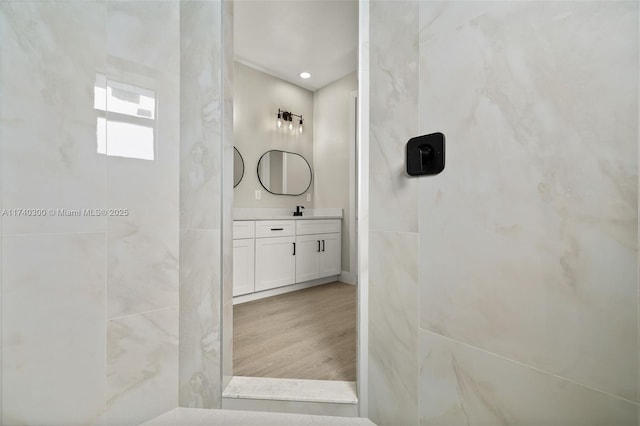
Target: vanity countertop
column 285, row 214
column 289, row 217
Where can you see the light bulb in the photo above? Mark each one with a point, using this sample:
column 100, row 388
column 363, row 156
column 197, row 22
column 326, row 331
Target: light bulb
column 291, row 126
column 279, row 121
column 300, row 127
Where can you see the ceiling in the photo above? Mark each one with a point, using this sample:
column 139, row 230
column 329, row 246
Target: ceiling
column 285, row 38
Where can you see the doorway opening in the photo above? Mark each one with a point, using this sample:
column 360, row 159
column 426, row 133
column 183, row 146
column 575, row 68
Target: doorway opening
column 296, row 328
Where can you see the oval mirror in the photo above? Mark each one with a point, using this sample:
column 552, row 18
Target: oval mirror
column 284, row 173
column 238, row 167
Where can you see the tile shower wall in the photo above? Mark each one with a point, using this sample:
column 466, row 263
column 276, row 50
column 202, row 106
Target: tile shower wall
column 227, row 191
column 201, row 152
column 53, row 267
column 1, row 90
column 143, row 50
column 90, row 303
column 393, row 240
column 527, row 242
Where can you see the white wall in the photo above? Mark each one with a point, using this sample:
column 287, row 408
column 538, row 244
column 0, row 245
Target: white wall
column 505, row 290
column 257, row 97
column 331, row 147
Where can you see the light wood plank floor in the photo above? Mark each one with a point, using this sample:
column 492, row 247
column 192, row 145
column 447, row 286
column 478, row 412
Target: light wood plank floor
column 305, row 334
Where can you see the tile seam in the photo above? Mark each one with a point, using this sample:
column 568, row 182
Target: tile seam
column 531, row 367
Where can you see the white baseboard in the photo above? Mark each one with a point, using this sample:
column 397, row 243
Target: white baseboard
column 348, row 278
column 281, row 290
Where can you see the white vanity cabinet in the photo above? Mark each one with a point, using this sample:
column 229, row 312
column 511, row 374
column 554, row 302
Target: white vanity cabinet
column 243, row 257
column 319, row 249
column 308, row 257
column 330, row 255
column 275, row 262
column 275, row 254
column 268, row 254
column 243, row 266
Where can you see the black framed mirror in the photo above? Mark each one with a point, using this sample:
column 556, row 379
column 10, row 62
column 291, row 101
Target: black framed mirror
column 238, row 167
column 284, row 173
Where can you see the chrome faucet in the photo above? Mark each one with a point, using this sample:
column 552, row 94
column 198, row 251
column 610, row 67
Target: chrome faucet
column 298, row 212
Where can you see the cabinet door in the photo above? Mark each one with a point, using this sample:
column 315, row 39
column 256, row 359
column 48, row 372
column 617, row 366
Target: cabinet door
column 243, row 266
column 307, row 257
column 331, row 255
column 275, row 262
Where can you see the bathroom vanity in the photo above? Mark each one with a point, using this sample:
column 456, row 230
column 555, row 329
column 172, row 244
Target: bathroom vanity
column 285, row 254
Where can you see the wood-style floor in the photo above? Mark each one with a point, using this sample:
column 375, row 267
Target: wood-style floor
column 305, row 334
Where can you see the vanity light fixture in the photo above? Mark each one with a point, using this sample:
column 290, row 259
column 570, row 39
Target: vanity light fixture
column 287, row 116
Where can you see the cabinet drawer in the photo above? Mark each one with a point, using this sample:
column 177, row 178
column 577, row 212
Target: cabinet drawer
column 313, row 226
column 243, row 229
column 275, row 228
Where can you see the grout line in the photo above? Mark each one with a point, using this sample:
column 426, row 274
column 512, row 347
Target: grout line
column 221, row 246
column 178, row 234
column 43, row 234
column 638, row 255
column 539, row 370
column 420, row 268
column 1, row 238
column 202, row 229
column 179, row 207
column 362, row 208
column 142, row 313
column 391, row 231
column 105, row 225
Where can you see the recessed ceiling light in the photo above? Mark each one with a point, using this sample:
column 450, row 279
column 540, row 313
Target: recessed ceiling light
column 305, row 75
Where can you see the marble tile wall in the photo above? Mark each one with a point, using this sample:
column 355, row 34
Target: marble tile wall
column 49, row 120
column 199, row 319
column 1, row 351
column 53, row 267
column 460, row 384
column 227, row 194
column 142, row 366
column 143, row 245
column 394, row 79
column 393, row 327
column 528, row 249
column 89, row 303
column 143, row 50
column 545, row 233
column 393, row 216
column 54, row 348
column 273, row 406
column 203, row 99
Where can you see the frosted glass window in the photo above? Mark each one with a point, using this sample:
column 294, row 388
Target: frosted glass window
column 126, row 115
